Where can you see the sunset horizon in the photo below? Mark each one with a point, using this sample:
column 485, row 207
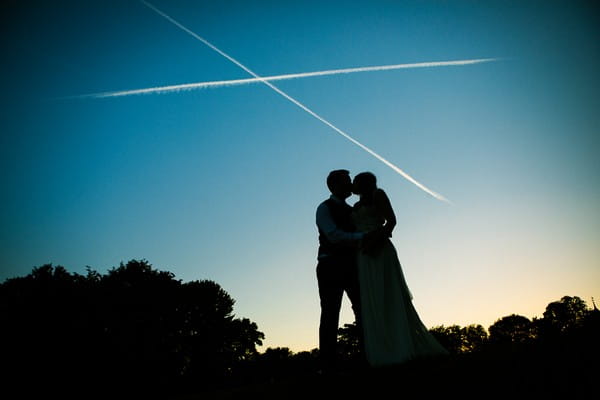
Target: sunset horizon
column 199, row 136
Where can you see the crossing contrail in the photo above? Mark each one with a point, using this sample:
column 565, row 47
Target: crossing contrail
column 296, row 102
column 247, row 81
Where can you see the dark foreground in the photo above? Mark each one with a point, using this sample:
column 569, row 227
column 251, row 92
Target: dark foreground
column 468, row 376
column 548, row 373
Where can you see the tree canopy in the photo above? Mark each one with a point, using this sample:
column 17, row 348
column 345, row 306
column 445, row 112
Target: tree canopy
column 139, row 327
column 133, row 324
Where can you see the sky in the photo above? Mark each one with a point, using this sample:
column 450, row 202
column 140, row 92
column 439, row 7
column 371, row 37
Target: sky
column 223, row 183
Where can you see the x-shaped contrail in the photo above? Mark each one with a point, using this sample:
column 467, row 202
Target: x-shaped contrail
column 266, row 81
column 296, row 102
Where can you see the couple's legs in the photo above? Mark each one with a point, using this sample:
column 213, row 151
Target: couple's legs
column 335, row 276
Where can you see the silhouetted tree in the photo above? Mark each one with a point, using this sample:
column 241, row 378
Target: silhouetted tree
column 275, row 362
column 139, row 328
column 474, row 338
column 307, row 358
column 280, row 362
column 451, row 337
column 348, row 342
column 457, row 339
column 512, row 329
column 134, row 326
column 276, row 359
column 563, row 316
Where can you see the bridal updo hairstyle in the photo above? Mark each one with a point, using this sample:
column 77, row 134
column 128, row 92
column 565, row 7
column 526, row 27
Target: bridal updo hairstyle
column 365, row 184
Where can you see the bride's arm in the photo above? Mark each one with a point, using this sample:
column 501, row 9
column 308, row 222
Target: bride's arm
column 385, row 210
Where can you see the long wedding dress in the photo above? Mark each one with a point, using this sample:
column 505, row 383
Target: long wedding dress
column 393, row 331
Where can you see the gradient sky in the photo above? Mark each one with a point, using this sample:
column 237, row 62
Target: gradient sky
column 223, row 183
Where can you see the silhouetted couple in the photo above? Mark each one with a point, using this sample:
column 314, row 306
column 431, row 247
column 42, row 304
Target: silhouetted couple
column 356, row 256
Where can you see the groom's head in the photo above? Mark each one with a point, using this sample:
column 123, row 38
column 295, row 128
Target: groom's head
column 339, row 183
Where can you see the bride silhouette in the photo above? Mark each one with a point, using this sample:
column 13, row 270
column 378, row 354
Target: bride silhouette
column 393, row 331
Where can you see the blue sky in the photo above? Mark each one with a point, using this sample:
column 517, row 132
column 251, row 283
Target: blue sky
column 223, row 183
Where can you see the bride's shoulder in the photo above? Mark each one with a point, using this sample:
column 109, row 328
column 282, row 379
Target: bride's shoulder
column 379, row 193
column 380, row 197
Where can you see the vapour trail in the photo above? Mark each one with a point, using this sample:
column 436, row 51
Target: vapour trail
column 296, row 102
column 236, row 82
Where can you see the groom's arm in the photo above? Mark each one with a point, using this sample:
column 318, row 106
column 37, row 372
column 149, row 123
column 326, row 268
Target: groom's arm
column 331, row 230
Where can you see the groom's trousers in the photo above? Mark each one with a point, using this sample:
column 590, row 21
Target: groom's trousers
column 336, row 275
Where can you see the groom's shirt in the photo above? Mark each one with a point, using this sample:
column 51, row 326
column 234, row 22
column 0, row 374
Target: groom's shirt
column 336, row 228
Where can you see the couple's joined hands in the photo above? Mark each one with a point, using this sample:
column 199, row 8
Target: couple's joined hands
column 374, row 240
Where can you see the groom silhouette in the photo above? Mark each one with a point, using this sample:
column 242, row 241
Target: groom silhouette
column 336, row 267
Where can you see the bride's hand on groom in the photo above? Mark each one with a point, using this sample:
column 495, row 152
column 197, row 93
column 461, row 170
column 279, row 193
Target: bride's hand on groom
column 374, row 240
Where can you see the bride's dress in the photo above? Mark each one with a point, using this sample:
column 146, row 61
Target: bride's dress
column 393, row 331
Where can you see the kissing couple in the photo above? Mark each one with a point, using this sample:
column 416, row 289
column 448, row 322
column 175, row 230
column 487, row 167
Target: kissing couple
column 356, row 256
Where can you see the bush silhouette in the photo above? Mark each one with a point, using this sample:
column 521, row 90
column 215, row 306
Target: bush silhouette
column 139, row 329
column 133, row 327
